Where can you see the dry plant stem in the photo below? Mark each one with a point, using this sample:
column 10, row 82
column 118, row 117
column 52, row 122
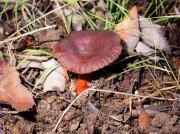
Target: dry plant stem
column 100, row 90
column 28, row 33
column 161, row 90
column 32, row 23
column 141, row 96
column 11, row 54
column 27, row 80
column 9, row 112
column 31, row 57
column 63, row 16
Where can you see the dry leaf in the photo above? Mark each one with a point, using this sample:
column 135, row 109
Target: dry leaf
column 11, row 90
column 153, row 35
column 56, row 80
column 101, row 11
column 91, row 108
column 117, row 117
column 30, row 64
column 144, row 120
column 71, row 12
column 77, row 22
column 143, row 49
column 128, row 29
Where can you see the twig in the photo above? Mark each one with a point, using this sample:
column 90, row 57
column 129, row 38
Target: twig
column 128, row 94
column 31, row 57
column 161, row 90
column 9, row 112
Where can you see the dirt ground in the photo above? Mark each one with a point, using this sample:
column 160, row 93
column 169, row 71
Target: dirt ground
column 112, row 109
column 93, row 113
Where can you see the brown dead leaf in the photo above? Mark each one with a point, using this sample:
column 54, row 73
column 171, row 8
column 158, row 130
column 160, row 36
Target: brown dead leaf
column 30, row 64
column 11, row 90
column 144, row 120
column 128, row 29
column 153, row 35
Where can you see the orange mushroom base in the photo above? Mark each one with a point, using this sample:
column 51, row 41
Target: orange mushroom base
column 82, row 83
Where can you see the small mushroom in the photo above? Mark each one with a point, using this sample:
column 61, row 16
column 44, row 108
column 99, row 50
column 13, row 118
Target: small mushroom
column 86, row 51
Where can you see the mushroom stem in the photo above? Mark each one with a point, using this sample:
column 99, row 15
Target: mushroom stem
column 82, row 83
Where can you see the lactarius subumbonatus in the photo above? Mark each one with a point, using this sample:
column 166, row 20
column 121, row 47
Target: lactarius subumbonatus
column 83, row 52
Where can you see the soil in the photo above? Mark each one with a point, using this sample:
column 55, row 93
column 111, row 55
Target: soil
column 113, row 110
column 93, row 113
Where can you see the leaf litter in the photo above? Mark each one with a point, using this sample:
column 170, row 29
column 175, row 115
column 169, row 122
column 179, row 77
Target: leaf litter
column 56, row 80
column 11, row 90
column 95, row 111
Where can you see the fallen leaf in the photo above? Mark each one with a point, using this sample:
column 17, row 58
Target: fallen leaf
column 12, row 91
column 77, row 22
column 176, row 10
column 91, row 108
column 153, row 35
column 56, row 80
column 116, row 117
column 152, row 110
column 72, row 14
column 128, row 30
column 74, row 125
column 144, row 120
column 30, row 64
column 101, row 12
column 144, row 49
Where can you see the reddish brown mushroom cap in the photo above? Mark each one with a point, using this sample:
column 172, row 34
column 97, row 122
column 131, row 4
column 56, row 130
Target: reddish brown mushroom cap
column 87, row 51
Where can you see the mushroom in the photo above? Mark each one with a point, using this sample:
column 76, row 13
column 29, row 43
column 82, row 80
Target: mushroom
column 83, row 52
